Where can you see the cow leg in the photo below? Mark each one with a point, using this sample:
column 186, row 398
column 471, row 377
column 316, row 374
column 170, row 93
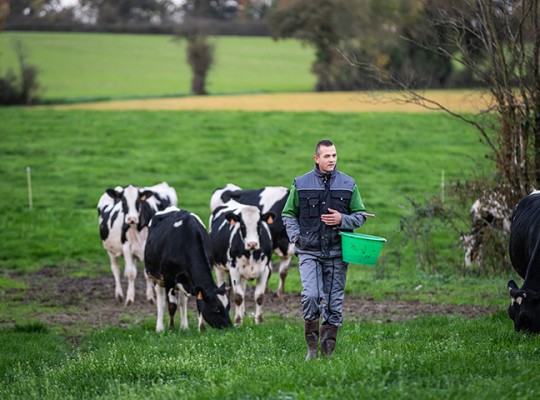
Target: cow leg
column 130, row 272
column 221, row 276
column 172, row 304
column 284, row 263
column 182, row 306
column 149, row 288
column 262, row 281
column 118, row 292
column 160, row 304
column 242, row 307
column 238, row 295
column 202, row 325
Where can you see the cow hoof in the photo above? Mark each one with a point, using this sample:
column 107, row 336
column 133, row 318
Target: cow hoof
column 238, row 321
column 129, row 302
column 151, row 301
column 259, row 319
column 119, row 298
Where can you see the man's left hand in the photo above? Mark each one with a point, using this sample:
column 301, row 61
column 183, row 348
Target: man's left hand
column 333, row 218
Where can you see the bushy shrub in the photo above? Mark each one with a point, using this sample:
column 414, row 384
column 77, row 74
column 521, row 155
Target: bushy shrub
column 20, row 89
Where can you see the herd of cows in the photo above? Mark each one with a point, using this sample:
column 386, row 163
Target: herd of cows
column 245, row 229
column 179, row 254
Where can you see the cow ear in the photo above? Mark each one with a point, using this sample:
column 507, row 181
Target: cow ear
column 268, row 217
column 199, row 295
column 232, row 218
column 115, row 193
column 145, row 194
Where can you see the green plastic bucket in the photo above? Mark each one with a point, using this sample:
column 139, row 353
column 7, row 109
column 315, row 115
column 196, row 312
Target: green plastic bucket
column 361, row 249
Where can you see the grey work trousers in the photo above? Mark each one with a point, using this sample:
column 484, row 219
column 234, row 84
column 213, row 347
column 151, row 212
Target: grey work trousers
column 323, row 288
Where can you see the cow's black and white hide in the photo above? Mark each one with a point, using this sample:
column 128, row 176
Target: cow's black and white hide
column 269, row 199
column 124, row 214
column 525, row 257
column 242, row 249
column 489, row 215
column 177, row 259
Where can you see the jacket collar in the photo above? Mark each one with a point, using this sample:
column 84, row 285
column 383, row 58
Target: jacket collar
column 321, row 174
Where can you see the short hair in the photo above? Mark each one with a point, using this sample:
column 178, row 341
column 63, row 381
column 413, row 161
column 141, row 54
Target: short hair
column 325, row 143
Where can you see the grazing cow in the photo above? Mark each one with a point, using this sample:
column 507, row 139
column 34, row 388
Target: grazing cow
column 242, row 249
column 525, row 256
column 177, row 259
column 269, row 199
column 124, row 214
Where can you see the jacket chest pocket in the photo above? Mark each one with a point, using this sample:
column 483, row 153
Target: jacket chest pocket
column 341, row 200
column 309, row 206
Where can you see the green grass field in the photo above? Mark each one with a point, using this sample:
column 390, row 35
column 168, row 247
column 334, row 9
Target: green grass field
column 428, row 358
column 75, row 155
column 87, row 66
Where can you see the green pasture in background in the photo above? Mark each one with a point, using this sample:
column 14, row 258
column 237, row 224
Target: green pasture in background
column 95, row 65
column 75, row 155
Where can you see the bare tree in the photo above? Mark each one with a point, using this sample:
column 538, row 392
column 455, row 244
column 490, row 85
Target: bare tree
column 497, row 41
column 200, row 54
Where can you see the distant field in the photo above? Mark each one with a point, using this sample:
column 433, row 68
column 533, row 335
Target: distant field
column 83, row 66
column 461, row 101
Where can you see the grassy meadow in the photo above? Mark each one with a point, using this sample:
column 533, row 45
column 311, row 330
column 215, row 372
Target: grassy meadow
column 75, row 66
column 75, row 155
column 429, row 358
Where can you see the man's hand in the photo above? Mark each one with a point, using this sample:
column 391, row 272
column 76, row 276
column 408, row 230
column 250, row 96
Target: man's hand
column 334, row 218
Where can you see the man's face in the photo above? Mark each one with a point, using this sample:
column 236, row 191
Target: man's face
column 326, row 158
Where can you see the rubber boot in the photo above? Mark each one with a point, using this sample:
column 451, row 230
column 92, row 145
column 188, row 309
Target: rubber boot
column 311, row 329
column 328, row 339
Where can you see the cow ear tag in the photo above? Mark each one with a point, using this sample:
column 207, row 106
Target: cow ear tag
column 199, row 296
column 270, row 220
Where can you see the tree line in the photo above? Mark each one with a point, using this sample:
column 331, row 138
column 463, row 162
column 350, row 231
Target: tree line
column 383, row 33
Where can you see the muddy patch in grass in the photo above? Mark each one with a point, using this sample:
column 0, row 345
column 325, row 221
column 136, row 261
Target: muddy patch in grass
column 88, row 303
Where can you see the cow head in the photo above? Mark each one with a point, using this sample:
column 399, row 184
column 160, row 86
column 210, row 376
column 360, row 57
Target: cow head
column 133, row 204
column 524, row 309
column 214, row 306
column 250, row 222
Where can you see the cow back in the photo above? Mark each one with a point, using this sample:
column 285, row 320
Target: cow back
column 525, row 236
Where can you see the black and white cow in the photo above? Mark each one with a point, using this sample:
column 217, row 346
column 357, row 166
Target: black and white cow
column 242, row 249
column 177, row 259
column 269, row 199
column 525, row 256
column 124, row 214
column 488, row 213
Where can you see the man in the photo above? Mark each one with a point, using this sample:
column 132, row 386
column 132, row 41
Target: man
column 320, row 204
